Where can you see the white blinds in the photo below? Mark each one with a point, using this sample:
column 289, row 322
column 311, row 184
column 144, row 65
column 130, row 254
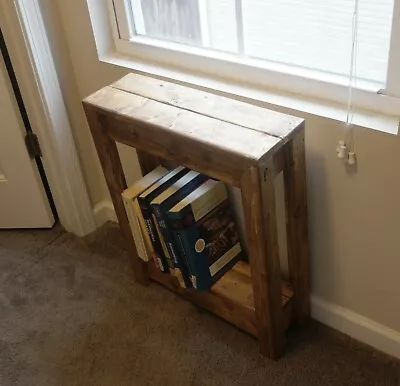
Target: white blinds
column 314, row 34
column 317, row 34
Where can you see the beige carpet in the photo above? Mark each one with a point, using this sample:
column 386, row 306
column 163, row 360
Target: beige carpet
column 70, row 314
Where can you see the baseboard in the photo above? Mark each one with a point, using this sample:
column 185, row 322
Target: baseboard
column 103, row 212
column 357, row 326
column 342, row 319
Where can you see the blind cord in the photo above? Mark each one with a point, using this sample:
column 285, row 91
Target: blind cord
column 346, row 147
column 349, row 137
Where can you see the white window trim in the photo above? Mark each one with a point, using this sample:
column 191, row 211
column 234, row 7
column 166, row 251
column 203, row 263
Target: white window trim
column 119, row 10
column 393, row 75
column 276, row 84
column 204, row 23
column 239, row 26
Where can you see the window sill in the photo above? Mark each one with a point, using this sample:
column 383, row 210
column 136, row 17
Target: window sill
column 274, row 99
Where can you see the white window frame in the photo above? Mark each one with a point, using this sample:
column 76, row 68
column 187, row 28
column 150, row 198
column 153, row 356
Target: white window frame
column 278, row 78
column 393, row 74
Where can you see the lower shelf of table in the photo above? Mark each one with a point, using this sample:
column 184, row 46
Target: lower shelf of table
column 231, row 297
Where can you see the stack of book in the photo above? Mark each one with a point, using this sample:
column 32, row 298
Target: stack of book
column 183, row 222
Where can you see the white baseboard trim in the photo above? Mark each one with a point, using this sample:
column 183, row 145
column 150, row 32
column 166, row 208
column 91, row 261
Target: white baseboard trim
column 357, row 326
column 103, row 212
column 342, row 319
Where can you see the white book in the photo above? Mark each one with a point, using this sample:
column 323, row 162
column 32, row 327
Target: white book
column 135, row 218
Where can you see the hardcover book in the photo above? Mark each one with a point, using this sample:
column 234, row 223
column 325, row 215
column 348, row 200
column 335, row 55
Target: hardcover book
column 135, row 218
column 160, row 205
column 205, row 231
column 162, row 260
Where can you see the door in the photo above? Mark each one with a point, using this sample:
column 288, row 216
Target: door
column 23, row 199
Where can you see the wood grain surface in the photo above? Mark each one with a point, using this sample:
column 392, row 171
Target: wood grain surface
column 211, row 105
column 297, row 225
column 231, row 297
column 112, row 168
column 216, row 148
column 258, row 196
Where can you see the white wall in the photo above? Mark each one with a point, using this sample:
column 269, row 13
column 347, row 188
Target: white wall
column 354, row 218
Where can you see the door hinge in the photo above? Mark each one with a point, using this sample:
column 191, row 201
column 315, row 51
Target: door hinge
column 32, row 144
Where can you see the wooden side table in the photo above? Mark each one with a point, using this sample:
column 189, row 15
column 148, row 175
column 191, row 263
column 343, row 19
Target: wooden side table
column 240, row 144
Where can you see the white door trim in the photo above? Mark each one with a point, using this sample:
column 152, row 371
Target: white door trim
column 23, row 27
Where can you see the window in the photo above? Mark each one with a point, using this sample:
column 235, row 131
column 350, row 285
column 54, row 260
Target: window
column 300, row 46
column 208, row 24
column 311, row 34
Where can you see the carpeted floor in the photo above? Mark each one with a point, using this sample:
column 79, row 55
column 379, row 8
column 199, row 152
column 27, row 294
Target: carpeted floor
column 70, row 314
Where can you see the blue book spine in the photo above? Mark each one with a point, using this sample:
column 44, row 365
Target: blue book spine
column 178, row 241
column 172, row 246
column 186, row 234
column 161, row 260
column 161, row 210
column 201, row 278
column 211, row 244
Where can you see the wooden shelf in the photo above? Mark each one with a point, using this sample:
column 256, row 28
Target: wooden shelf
column 239, row 144
column 231, row 297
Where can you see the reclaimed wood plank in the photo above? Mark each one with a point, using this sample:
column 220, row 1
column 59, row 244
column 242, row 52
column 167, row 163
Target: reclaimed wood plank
column 237, row 287
column 297, row 225
column 261, row 231
column 231, row 297
column 113, row 172
column 216, row 148
column 222, row 299
column 243, row 268
column 211, row 105
column 174, row 121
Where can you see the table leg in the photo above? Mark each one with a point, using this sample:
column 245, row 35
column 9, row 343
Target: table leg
column 262, row 241
column 297, row 225
column 113, row 172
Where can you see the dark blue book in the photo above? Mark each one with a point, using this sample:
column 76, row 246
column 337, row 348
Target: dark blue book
column 160, row 258
column 160, row 205
column 204, row 229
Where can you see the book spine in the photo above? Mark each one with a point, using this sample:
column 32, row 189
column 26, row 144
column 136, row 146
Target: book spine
column 143, row 231
column 152, row 232
column 135, row 228
column 163, row 245
column 204, row 271
column 205, row 275
column 184, row 258
column 201, row 277
column 186, row 234
column 182, row 271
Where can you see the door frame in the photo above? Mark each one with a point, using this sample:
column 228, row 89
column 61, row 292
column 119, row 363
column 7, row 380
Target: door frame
column 25, row 34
